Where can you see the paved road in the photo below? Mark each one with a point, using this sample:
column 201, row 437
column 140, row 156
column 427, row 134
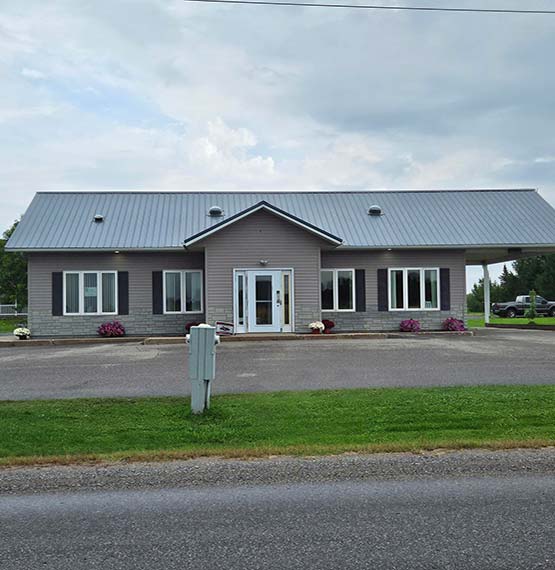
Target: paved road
column 492, row 357
column 462, row 510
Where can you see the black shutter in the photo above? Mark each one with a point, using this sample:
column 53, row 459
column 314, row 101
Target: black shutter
column 123, row 292
column 157, row 293
column 360, row 288
column 445, row 289
column 57, row 294
column 382, row 290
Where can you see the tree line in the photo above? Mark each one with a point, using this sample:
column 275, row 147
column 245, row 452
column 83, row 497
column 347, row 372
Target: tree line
column 13, row 274
column 537, row 273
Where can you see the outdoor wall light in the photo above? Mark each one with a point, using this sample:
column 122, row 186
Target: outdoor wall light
column 117, row 251
column 263, row 262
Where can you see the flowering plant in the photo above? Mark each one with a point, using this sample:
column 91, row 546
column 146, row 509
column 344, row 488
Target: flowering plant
column 409, row 325
column 317, row 326
column 111, row 329
column 22, row 332
column 453, row 324
column 328, row 325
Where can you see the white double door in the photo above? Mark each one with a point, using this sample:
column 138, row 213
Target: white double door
column 262, row 300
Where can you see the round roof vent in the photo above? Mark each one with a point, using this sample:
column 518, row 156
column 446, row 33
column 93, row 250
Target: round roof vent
column 215, row 212
column 98, row 218
column 375, row 210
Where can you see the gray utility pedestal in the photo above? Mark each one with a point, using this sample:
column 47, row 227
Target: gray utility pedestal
column 202, row 343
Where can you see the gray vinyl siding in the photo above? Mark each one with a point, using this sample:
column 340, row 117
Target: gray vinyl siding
column 140, row 320
column 371, row 261
column 263, row 236
column 242, row 245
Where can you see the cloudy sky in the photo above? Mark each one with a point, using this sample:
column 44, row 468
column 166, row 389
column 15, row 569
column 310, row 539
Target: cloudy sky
column 148, row 94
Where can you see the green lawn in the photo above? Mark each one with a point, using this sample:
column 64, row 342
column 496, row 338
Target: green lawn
column 250, row 425
column 8, row 324
column 476, row 323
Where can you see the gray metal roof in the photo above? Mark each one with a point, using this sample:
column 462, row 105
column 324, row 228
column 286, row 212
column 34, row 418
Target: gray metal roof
column 163, row 220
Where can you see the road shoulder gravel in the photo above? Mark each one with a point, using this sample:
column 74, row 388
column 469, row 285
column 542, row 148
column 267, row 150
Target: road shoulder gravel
column 278, row 470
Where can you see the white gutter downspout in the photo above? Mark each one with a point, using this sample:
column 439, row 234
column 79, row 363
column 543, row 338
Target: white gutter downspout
column 487, row 304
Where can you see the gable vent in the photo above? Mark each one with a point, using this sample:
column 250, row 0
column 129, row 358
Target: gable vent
column 98, row 218
column 375, row 210
column 215, row 212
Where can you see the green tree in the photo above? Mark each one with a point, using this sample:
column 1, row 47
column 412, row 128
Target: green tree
column 545, row 281
column 531, row 312
column 475, row 299
column 527, row 271
column 13, row 273
column 510, row 284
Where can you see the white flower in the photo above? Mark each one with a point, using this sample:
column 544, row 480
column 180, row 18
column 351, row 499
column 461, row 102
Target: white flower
column 22, row 331
column 317, row 325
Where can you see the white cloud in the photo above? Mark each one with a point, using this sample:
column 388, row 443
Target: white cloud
column 172, row 95
column 32, row 73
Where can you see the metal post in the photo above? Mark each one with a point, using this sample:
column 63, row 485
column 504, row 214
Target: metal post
column 487, row 303
column 202, row 342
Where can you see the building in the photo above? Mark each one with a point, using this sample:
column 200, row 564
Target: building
column 266, row 261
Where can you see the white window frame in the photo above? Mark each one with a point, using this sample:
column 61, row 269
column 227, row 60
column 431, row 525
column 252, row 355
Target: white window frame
column 81, row 274
column 336, row 308
column 405, row 271
column 183, row 273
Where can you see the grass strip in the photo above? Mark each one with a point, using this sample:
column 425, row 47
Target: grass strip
column 540, row 321
column 255, row 425
column 8, row 324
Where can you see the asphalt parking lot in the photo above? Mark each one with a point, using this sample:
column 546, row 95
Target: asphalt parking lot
column 132, row 370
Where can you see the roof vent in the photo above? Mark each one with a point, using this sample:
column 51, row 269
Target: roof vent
column 375, row 210
column 215, row 212
column 98, row 218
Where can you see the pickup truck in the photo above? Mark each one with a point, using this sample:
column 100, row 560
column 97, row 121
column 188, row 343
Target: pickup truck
column 521, row 304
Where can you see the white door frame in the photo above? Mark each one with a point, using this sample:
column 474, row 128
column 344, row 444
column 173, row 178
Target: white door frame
column 246, row 272
column 275, row 301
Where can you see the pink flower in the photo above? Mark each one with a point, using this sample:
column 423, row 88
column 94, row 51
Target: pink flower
column 409, row 325
column 111, row 329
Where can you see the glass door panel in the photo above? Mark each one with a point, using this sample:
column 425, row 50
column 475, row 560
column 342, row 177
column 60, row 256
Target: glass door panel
column 264, row 299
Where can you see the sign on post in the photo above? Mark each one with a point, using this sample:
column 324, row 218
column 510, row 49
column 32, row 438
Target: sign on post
column 202, row 342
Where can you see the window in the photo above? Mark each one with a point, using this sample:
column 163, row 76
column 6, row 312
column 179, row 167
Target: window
column 413, row 289
column 90, row 293
column 183, row 291
column 337, row 288
column 241, row 299
column 326, row 286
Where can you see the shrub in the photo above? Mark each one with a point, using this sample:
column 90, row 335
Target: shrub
column 453, row 324
column 328, row 324
column 531, row 312
column 114, row 328
column 191, row 324
column 409, row 325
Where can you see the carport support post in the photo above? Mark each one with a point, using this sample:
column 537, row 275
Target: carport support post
column 487, row 303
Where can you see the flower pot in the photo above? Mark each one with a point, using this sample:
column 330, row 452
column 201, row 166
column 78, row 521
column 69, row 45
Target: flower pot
column 327, row 331
column 22, row 337
column 315, row 331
